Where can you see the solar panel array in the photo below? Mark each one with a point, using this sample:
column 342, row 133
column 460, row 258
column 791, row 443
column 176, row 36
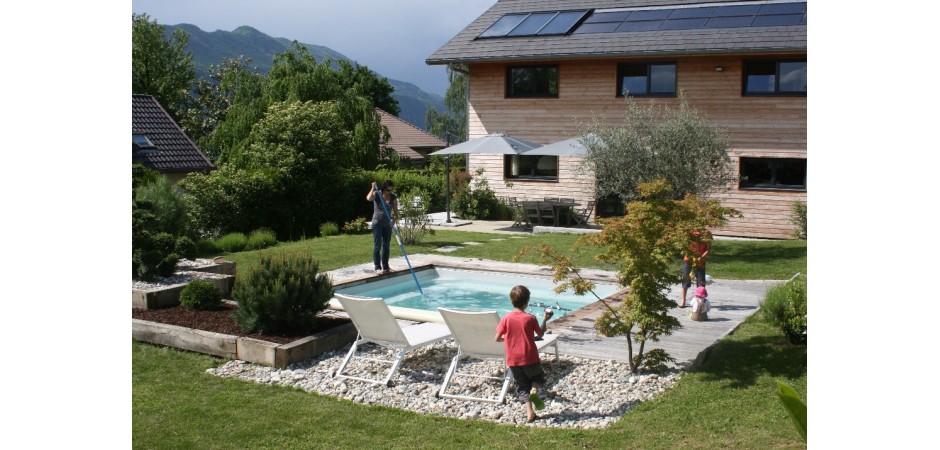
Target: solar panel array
column 734, row 16
column 535, row 24
column 548, row 23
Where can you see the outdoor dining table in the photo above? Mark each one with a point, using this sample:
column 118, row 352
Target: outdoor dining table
column 560, row 208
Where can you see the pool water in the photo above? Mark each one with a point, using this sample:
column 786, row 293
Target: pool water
column 476, row 290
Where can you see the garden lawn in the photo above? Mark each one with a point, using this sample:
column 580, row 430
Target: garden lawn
column 729, row 402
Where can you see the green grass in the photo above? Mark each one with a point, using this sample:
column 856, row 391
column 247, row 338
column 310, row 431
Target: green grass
column 729, row 402
column 738, row 260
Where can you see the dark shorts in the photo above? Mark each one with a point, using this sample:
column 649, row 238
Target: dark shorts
column 699, row 275
column 525, row 376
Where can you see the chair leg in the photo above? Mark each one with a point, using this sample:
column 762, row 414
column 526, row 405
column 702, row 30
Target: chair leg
column 450, row 373
column 391, row 372
column 349, row 355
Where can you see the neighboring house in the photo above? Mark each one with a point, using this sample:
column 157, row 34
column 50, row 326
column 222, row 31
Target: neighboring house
column 160, row 144
column 537, row 69
column 409, row 141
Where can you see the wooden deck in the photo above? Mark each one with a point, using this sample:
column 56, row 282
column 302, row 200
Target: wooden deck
column 732, row 302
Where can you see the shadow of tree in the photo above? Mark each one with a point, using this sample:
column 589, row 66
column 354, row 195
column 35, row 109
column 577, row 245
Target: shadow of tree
column 740, row 362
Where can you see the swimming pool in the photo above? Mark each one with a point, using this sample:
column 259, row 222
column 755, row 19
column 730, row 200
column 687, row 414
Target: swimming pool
column 469, row 289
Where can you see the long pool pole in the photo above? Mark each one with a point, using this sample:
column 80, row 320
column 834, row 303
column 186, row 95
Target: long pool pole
column 397, row 238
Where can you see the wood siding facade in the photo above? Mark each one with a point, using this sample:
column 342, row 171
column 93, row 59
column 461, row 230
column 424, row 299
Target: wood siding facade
column 759, row 126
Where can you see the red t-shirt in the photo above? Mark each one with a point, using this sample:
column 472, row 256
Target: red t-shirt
column 699, row 248
column 519, row 330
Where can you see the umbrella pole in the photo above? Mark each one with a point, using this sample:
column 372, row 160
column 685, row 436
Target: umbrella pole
column 447, row 174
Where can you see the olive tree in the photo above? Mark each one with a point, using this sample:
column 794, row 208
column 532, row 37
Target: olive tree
column 657, row 142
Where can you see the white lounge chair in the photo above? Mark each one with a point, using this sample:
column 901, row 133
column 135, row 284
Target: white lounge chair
column 474, row 333
column 375, row 323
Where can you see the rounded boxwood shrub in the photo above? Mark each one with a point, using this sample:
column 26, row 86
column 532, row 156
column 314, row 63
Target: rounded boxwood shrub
column 201, row 294
column 282, row 295
column 785, row 307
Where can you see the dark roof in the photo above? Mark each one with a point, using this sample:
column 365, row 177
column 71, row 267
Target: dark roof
column 173, row 150
column 466, row 48
column 406, row 138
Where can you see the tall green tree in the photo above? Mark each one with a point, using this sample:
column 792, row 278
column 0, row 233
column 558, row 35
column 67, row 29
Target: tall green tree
column 452, row 125
column 657, row 142
column 366, row 83
column 161, row 66
column 231, row 88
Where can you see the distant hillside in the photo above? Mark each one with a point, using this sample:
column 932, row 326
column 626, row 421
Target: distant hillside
column 210, row 47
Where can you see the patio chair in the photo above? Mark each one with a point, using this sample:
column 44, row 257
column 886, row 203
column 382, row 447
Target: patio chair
column 518, row 213
column 581, row 216
column 375, row 324
column 547, row 214
column 531, row 213
column 474, row 332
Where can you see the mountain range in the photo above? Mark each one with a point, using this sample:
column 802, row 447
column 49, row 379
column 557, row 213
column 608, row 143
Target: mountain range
column 209, row 48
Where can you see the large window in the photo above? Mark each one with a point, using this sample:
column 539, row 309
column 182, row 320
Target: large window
column 531, row 167
column 532, row 81
column 773, row 173
column 646, row 79
column 775, row 77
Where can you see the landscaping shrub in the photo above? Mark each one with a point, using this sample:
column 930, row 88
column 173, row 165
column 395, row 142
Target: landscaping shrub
column 282, row 295
column 480, row 202
column 414, row 223
column 329, row 229
column 232, row 242
column 359, row 225
column 261, row 238
column 798, row 218
column 784, row 306
column 155, row 247
column 207, row 247
column 202, row 295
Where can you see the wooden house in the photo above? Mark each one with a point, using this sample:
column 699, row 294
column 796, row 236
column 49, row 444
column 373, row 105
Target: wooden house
column 537, row 69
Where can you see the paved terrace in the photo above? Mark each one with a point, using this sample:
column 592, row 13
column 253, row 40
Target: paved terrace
column 732, row 302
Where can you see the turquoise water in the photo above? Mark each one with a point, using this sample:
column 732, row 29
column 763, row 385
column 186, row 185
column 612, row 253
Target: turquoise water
column 467, row 289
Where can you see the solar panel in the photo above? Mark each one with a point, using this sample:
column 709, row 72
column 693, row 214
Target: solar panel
column 777, row 21
column 562, row 23
column 646, row 25
column 683, row 24
column 729, row 22
column 504, row 25
column 691, row 13
column 740, row 10
column 618, row 17
column 655, row 14
column 783, row 8
column 606, row 27
column 532, row 24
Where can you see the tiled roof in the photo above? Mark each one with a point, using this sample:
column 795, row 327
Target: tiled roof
column 175, row 151
column 465, row 48
column 406, row 138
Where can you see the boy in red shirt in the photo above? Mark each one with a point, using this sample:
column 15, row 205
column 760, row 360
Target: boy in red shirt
column 518, row 330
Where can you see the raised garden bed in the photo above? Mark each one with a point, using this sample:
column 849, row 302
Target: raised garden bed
column 165, row 292
column 276, row 351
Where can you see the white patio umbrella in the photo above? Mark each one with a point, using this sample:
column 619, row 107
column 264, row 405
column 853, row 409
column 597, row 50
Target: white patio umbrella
column 568, row 147
column 498, row 143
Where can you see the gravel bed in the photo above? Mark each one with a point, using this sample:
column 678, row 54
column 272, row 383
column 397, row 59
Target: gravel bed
column 179, row 278
column 580, row 393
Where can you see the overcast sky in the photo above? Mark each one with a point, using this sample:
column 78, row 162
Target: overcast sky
column 390, row 37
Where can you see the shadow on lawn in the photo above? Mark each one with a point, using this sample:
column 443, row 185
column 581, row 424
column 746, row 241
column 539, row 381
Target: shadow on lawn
column 741, row 362
column 755, row 255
